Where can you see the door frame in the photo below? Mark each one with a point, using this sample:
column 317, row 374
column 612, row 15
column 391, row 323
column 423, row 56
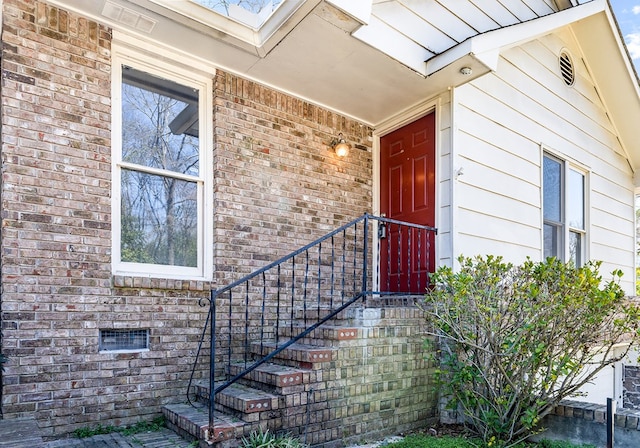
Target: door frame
column 393, row 124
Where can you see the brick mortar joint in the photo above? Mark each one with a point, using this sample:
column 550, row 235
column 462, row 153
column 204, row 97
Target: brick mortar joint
column 623, row 418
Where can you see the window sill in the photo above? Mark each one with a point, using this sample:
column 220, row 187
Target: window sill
column 130, row 281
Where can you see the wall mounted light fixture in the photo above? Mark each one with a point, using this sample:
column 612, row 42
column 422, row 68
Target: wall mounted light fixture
column 340, row 146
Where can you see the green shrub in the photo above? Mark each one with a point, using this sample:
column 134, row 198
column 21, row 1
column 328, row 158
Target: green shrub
column 514, row 341
column 265, row 439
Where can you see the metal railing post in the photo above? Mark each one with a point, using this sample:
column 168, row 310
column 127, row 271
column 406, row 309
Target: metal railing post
column 350, row 234
column 365, row 249
column 212, row 360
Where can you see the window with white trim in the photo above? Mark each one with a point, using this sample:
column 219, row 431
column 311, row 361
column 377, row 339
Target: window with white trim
column 161, row 175
column 564, row 210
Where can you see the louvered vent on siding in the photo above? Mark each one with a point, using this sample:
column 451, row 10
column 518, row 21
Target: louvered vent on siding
column 566, row 69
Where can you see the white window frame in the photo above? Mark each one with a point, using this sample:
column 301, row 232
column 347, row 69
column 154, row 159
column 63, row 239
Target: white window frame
column 144, row 61
column 567, row 165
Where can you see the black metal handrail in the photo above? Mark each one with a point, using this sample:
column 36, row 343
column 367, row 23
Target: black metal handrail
column 285, row 301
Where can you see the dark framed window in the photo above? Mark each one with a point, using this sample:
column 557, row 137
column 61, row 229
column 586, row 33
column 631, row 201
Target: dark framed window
column 564, row 210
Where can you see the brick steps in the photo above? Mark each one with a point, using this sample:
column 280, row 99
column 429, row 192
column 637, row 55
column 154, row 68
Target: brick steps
column 314, row 314
column 324, row 336
column 301, row 356
column 239, row 400
column 274, row 378
column 193, row 423
column 353, row 378
column 257, row 401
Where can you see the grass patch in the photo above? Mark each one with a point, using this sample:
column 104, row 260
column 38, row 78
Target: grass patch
column 426, row 441
column 83, row 433
column 156, row 424
column 423, row 441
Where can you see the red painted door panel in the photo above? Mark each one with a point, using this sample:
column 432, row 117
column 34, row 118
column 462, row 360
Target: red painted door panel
column 407, row 188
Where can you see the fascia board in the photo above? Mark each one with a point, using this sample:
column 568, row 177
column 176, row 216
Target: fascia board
column 486, row 47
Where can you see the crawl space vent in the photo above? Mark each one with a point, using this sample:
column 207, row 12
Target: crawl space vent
column 566, row 68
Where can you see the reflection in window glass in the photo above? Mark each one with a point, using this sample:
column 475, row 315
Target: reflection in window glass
column 575, row 248
column 576, row 200
column 551, row 241
column 222, row 6
column 159, row 123
column 159, row 220
column 564, row 211
column 159, row 185
column 552, row 184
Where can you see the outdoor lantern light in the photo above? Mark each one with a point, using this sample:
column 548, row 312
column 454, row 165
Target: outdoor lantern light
column 340, row 146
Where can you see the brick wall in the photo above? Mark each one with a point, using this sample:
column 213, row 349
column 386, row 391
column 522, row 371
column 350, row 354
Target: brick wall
column 379, row 384
column 277, row 186
column 55, row 212
column 278, row 183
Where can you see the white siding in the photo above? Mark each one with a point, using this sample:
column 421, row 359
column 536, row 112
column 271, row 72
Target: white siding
column 444, row 183
column 502, row 121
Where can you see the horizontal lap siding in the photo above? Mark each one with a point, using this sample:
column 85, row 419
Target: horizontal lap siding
column 502, row 119
column 444, row 187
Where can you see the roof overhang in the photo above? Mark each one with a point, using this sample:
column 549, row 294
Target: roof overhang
column 615, row 77
column 488, row 46
column 306, row 48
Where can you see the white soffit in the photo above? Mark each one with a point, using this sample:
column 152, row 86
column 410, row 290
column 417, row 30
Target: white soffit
column 306, row 48
column 486, row 47
column 415, row 31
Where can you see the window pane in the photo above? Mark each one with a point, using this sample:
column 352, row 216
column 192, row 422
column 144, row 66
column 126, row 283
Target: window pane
column 575, row 248
column 551, row 241
column 552, row 187
column 576, row 200
column 159, row 123
column 159, row 220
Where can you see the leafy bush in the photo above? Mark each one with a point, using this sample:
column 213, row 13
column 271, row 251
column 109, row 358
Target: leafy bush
column 514, row 341
column 265, row 439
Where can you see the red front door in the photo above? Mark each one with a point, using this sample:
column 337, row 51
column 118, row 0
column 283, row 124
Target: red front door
column 407, row 188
